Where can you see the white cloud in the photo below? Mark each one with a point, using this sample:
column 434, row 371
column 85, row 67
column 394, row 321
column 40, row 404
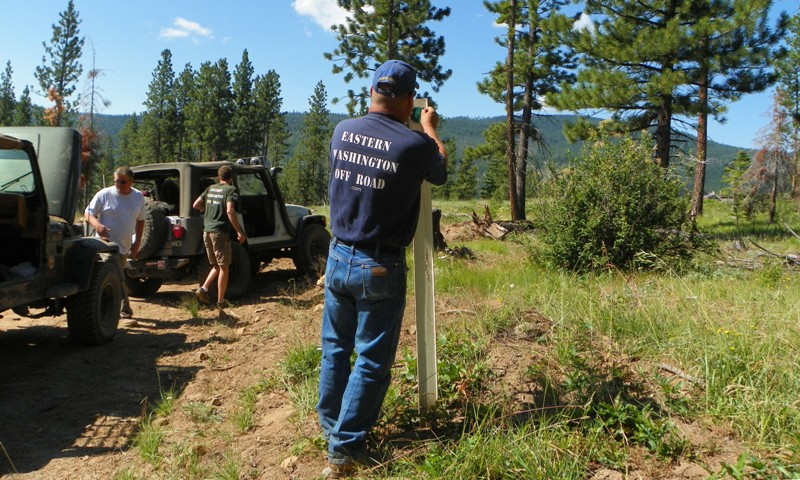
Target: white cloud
column 173, row 33
column 324, row 13
column 183, row 28
column 585, row 22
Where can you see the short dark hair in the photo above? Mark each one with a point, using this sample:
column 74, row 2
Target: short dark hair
column 225, row 172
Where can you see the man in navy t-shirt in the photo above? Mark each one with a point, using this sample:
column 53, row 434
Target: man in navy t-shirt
column 377, row 168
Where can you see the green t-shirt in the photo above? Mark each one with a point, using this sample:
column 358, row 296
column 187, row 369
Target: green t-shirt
column 216, row 198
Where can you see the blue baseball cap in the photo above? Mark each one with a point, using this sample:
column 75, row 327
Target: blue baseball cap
column 395, row 78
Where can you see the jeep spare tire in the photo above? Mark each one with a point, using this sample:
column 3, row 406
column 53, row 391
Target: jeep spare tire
column 156, row 227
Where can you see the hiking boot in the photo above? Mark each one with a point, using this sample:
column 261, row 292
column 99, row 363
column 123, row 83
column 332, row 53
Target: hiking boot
column 126, row 314
column 223, row 305
column 202, row 296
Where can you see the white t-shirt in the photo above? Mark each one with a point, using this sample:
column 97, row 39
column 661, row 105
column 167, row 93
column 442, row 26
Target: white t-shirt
column 119, row 213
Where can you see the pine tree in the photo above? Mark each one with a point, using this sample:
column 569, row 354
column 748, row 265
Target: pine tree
column 208, row 115
column 629, row 65
column 492, row 153
column 183, row 94
column 465, row 183
column 788, row 69
column 244, row 131
column 274, row 133
column 380, row 30
column 24, row 110
column 535, row 65
column 733, row 55
column 61, row 68
column 733, row 177
column 7, row 100
column 130, row 151
column 307, row 172
column 159, row 126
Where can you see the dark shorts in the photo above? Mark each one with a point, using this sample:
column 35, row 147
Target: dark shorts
column 218, row 248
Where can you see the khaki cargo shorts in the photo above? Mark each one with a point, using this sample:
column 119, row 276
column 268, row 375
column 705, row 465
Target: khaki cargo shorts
column 218, row 248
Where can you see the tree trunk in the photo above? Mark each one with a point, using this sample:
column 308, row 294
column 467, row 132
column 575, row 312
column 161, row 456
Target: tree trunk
column 664, row 132
column 773, row 198
column 702, row 142
column 510, row 154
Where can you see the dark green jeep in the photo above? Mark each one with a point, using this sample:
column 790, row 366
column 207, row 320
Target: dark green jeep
column 46, row 265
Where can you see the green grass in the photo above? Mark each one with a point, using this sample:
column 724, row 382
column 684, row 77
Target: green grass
column 728, row 321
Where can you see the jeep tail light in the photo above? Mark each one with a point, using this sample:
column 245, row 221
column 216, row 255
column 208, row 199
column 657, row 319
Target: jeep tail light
column 178, row 231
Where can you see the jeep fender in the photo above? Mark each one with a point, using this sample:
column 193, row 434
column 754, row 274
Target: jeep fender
column 81, row 262
column 308, row 220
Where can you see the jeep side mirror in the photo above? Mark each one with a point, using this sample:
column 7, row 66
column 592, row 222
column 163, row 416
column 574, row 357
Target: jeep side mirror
column 274, row 171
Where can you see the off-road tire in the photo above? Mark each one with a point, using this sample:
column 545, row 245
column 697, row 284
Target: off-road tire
column 142, row 287
column 311, row 252
column 93, row 315
column 156, row 227
column 239, row 277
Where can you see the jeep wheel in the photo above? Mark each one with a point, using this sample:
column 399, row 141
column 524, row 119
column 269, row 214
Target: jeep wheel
column 142, row 287
column 239, row 275
column 311, row 252
column 93, row 315
column 156, row 227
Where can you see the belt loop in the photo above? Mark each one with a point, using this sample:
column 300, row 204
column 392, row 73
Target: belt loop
column 335, row 241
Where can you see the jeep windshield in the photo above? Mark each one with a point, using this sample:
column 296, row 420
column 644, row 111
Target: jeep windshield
column 16, row 173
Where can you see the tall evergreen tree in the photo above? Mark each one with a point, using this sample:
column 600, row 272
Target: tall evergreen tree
column 244, row 131
column 159, row 118
column 380, row 30
column 629, row 66
column 465, row 182
column 492, row 153
column 273, row 132
column 307, row 172
column 8, row 101
column 788, row 69
column 733, row 178
column 183, row 94
column 733, row 55
column 24, row 109
column 535, row 65
column 61, row 68
column 130, row 151
column 208, row 115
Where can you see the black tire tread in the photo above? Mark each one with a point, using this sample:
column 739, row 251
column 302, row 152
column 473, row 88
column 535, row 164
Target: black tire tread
column 156, row 227
column 93, row 315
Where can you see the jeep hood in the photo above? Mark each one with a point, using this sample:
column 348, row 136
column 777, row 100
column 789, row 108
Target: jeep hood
column 59, row 155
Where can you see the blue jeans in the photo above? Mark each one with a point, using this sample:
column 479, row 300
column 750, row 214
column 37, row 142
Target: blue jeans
column 365, row 295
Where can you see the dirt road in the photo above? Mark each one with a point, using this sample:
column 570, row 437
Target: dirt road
column 71, row 412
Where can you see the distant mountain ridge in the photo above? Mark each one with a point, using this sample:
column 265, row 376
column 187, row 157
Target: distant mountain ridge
column 468, row 132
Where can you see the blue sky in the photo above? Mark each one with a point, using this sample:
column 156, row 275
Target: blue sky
column 289, row 36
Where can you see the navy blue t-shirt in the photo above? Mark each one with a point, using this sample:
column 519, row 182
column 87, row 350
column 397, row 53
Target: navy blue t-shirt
column 377, row 168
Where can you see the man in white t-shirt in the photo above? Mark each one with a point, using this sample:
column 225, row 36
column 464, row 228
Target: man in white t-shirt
column 117, row 213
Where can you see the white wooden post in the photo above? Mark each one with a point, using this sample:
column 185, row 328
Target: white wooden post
column 423, row 290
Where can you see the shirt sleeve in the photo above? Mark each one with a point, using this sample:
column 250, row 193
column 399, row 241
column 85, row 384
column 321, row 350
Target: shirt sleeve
column 95, row 206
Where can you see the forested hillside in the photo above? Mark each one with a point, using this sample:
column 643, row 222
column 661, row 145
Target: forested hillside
column 468, row 132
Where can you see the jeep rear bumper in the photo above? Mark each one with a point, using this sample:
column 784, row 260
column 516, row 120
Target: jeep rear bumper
column 165, row 268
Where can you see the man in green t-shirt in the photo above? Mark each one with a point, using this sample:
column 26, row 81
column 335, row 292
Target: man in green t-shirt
column 219, row 204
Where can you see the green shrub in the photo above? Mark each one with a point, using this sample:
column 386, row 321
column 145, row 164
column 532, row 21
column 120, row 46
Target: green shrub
column 610, row 205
